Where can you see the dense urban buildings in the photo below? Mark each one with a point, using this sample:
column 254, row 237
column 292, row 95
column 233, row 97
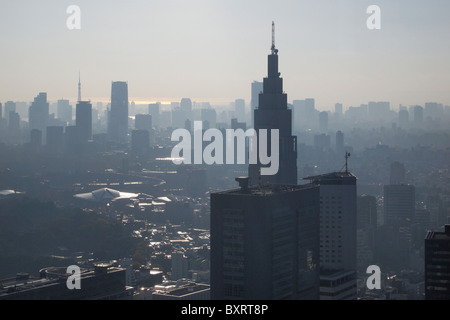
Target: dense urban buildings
column 88, row 181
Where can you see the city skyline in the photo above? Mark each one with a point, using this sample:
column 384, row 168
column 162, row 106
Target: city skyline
column 173, row 50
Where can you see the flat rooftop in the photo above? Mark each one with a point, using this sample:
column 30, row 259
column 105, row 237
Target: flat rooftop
column 264, row 190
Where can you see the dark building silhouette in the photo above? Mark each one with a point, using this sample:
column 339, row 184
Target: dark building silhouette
column 437, row 265
column 118, row 115
column 339, row 143
column 265, row 242
column 84, row 121
column 273, row 113
column 55, row 140
column 397, row 173
column 38, row 113
column 257, row 89
column 143, row 122
column 140, row 141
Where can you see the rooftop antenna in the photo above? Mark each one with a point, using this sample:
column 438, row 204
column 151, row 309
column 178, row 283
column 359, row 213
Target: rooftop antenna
column 79, row 87
column 347, row 155
column 274, row 50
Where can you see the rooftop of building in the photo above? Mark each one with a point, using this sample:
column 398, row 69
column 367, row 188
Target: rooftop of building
column 180, row 290
column 263, row 189
column 437, row 235
column 333, row 178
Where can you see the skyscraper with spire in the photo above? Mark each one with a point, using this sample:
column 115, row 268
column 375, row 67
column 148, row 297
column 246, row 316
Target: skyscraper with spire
column 273, row 113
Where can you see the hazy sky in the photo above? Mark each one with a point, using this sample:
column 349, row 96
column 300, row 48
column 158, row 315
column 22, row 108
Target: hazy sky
column 211, row 50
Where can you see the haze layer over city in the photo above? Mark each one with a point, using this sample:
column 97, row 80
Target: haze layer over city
column 212, row 150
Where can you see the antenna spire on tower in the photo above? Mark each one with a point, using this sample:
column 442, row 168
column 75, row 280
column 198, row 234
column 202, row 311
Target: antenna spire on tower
column 79, row 86
column 274, row 50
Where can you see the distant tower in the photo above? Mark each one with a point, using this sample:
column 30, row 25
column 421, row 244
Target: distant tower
column 273, row 113
column 118, row 118
column 79, row 86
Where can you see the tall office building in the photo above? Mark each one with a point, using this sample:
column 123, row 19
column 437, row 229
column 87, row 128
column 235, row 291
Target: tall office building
column 265, row 242
column 38, row 113
column 403, row 119
column 239, row 108
column 84, row 121
column 55, row 140
column 338, row 108
column 323, row 121
column 257, row 88
column 143, row 122
column 339, row 143
column 273, row 113
column 64, row 111
column 186, row 107
column 153, row 110
column 397, row 173
column 9, row 106
column 399, row 204
column 118, row 116
column 418, row 116
column 437, row 265
column 338, row 224
column 399, row 212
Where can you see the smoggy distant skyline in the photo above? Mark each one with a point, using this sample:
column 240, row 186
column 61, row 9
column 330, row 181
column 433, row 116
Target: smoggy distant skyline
column 211, row 50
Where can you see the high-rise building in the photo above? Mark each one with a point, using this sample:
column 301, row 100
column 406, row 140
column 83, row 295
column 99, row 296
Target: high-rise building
column 209, row 118
column 437, row 265
column 84, row 121
column 38, row 113
column 399, row 212
column 55, row 140
column 143, row 122
column 239, row 107
column 153, row 110
column 265, row 242
column 1, row 113
column 118, row 117
column 64, row 111
column 257, row 89
column 186, row 107
column 397, row 173
column 418, row 116
column 403, row 119
column 339, row 143
column 338, row 223
column 140, row 141
column 273, row 113
column 9, row 106
column 338, row 108
column 399, row 204
column 323, row 121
